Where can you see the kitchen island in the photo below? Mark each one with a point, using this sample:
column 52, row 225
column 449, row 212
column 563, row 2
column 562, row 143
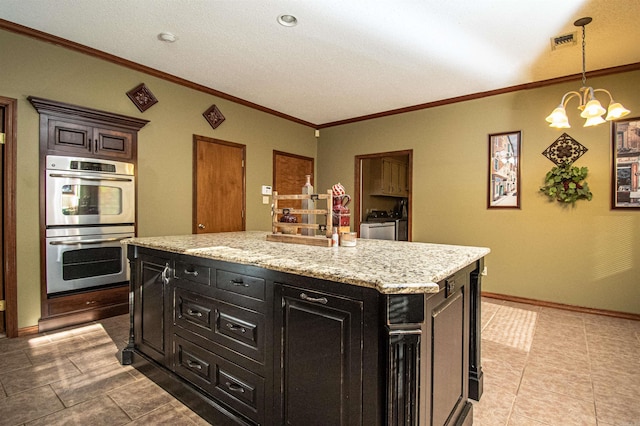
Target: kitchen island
column 247, row 331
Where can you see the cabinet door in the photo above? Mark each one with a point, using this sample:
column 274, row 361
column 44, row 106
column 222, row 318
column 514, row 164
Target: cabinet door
column 321, row 358
column 448, row 387
column 69, row 138
column 150, row 292
column 113, row 144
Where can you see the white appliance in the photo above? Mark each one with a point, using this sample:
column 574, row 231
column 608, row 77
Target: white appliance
column 378, row 230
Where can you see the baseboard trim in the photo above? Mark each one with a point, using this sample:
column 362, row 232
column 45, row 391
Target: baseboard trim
column 28, row 331
column 615, row 314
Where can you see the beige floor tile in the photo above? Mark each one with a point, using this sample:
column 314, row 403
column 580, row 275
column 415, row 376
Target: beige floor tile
column 165, row 415
column 25, row 406
column 92, row 383
column 618, row 410
column 13, row 361
column 554, row 409
column 20, row 343
column 612, row 383
column 89, row 359
column 22, row 379
column 512, row 326
column 140, row 398
column 561, row 317
column 101, row 411
column 543, row 378
column 494, row 406
column 516, row 420
column 60, row 348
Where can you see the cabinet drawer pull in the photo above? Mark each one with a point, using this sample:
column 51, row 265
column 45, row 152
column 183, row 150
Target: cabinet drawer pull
column 239, row 283
column 194, row 313
column 192, row 364
column 234, row 327
column 322, row 300
column 194, row 273
column 234, row 387
column 165, row 274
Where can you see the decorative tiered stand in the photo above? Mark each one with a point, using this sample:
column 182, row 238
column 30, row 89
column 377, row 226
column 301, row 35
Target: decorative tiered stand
column 285, row 232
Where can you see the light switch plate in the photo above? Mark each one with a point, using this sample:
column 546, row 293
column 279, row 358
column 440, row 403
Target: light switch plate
column 265, row 199
column 266, row 190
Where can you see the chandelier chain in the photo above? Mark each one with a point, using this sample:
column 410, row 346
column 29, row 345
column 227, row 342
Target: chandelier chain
column 584, row 60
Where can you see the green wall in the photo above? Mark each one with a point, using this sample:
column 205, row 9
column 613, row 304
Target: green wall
column 588, row 255
column 31, row 67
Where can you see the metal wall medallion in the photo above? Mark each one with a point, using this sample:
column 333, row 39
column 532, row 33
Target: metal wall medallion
column 142, row 97
column 565, row 149
column 213, row 116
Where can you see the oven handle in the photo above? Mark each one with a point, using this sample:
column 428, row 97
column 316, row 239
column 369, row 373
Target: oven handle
column 61, row 175
column 77, row 243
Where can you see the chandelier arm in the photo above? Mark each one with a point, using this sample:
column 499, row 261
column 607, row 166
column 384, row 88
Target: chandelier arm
column 605, row 91
column 571, row 94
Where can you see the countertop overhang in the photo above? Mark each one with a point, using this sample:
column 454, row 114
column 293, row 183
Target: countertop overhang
column 390, row 267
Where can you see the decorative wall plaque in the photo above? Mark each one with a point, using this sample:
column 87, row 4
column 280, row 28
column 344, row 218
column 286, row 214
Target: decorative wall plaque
column 142, row 97
column 213, row 116
column 565, row 149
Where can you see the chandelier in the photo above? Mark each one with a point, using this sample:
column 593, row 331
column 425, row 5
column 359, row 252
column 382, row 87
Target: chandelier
column 591, row 109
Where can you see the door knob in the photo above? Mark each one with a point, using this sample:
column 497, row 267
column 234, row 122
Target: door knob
column 200, row 226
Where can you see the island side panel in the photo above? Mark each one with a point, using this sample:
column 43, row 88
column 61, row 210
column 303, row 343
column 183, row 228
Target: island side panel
column 476, row 378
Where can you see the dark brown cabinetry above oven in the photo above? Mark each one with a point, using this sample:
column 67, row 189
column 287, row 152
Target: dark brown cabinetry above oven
column 89, row 136
column 84, row 132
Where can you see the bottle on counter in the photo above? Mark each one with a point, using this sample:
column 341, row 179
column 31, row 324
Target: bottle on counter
column 309, row 205
column 335, row 240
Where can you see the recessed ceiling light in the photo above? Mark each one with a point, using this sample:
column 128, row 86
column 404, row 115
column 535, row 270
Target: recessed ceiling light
column 166, row 36
column 287, row 20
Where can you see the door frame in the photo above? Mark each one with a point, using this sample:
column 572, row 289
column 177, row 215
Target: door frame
column 194, row 178
column 358, row 184
column 9, row 218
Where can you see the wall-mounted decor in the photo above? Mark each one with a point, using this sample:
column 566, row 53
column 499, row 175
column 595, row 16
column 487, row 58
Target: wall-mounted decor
column 213, row 116
column 142, row 97
column 565, row 183
column 504, row 170
column 565, row 149
column 625, row 175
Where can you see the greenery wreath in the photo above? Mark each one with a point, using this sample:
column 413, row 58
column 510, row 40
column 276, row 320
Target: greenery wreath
column 565, row 184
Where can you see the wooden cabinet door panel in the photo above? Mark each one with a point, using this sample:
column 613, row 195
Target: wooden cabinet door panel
column 149, row 310
column 113, row 143
column 71, row 138
column 321, row 358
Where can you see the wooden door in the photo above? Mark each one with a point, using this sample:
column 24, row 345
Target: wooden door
column 219, row 186
column 289, row 175
column 2, row 135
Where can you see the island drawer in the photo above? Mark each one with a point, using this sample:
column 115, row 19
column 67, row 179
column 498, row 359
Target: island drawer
column 229, row 383
column 238, row 329
column 193, row 272
column 244, row 285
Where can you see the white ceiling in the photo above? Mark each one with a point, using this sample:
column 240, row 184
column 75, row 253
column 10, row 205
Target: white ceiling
column 345, row 58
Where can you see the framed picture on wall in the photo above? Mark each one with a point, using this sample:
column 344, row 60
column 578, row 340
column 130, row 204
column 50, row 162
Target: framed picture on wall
column 504, row 170
column 625, row 168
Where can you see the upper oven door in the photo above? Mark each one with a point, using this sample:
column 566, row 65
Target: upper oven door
column 82, row 198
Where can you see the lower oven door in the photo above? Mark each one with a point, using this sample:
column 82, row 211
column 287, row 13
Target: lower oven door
column 83, row 262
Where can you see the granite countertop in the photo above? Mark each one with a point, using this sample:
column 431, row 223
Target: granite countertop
column 391, row 267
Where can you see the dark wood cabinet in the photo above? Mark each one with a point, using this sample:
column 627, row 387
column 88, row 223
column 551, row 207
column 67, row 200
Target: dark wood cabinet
column 66, row 137
column 71, row 130
column 245, row 345
column 321, row 358
column 151, row 296
column 447, row 322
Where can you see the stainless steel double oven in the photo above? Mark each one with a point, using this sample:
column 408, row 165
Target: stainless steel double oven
column 89, row 209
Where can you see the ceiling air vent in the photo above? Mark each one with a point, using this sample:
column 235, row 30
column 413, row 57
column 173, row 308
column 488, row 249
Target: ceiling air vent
column 564, row 40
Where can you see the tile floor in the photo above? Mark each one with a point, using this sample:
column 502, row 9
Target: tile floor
column 541, row 366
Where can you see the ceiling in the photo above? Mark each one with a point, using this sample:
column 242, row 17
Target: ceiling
column 345, row 59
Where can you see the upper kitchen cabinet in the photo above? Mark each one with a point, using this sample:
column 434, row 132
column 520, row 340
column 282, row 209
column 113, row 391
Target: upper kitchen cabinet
column 83, row 132
column 389, row 177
